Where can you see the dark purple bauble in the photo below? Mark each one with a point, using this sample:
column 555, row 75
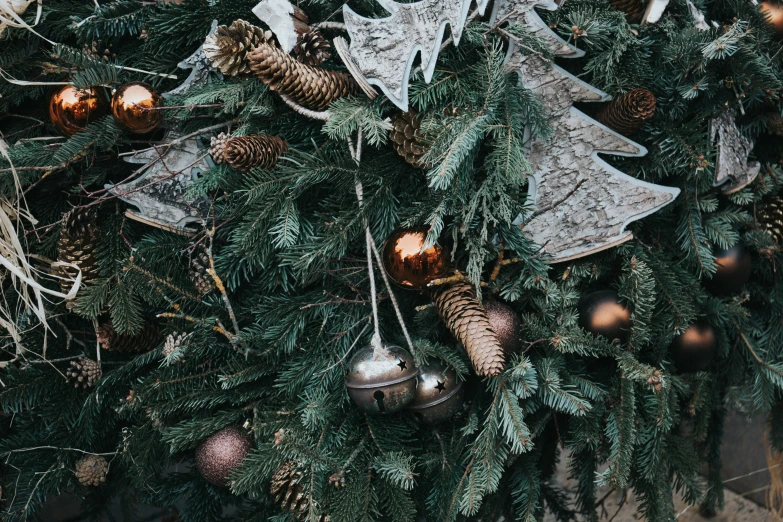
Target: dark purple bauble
column 734, row 269
column 694, row 349
column 220, row 453
column 507, row 326
column 602, row 313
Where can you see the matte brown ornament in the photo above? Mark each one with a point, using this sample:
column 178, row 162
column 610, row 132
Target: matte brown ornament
column 735, row 266
column 694, row 349
column 408, row 264
column 507, row 326
column 72, row 109
column 136, row 106
column 439, row 395
column 382, row 380
column 220, row 453
column 774, row 12
column 602, row 313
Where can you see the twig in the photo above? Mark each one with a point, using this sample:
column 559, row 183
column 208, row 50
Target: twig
column 323, row 116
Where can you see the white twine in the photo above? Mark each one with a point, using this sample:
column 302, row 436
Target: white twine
column 9, row 16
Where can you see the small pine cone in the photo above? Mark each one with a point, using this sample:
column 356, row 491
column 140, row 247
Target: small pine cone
column 770, row 218
column 408, row 139
column 91, row 470
column 246, row 152
column 627, row 113
column 172, row 344
column 78, row 239
column 775, row 123
column 312, row 48
column 228, row 47
column 311, row 87
column 633, row 9
column 144, row 341
column 468, row 322
column 288, row 493
column 199, row 265
column 84, row 372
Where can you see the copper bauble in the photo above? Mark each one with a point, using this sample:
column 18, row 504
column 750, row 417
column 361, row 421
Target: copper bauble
column 71, row 109
column 506, row 325
column 735, row 266
column 602, row 313
column 694, row 349
column 222, row 452
column 382, row 380
column 136, row 107
column 774, row 12
column 408, row 265
column 440, row 393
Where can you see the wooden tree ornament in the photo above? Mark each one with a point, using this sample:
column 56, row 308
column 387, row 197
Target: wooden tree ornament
column 581, row 204
column 383, row 50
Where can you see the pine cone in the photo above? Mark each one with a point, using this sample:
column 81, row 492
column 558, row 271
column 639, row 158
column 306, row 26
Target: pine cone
column 468, row 322
column 633, row 9
column 770, row 218
column 775, row 123
column 246, row 152
column 288, row 493
column 84, row 372
column 228, row 47
column 627, row 113
column 312, row 48
column 311, row 87
column 172, row 344
column 91, row 470
column 144, row 341
column 199, row 265
column 408, row 139
column 78, row 240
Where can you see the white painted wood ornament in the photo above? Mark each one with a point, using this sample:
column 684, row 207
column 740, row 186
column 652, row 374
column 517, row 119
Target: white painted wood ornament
column 580, row 204
column 201, row 69
column 733, row 172
column 383, row 50
column 160, row 194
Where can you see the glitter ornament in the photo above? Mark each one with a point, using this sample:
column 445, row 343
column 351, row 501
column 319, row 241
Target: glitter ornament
column 222, row 452
column 694, row 349
column 382, row 380
column 440, row 393
column 602, row 313
column 410, row 266
column 506, row 325
column 72, row 109
column 135, row 106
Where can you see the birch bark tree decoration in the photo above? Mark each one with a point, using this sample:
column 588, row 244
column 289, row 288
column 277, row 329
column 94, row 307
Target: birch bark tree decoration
column 383, row 50
column 160, row 194
column 732, row 170
column 580, row 204
column 200, row 66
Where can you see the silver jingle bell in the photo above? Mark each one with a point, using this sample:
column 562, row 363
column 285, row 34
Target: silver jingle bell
column 383, row 380
column 439, row 394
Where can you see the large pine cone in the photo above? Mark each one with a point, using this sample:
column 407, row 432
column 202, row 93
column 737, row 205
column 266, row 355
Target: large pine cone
column 84, row 372
column 771, row 218
column 311, row 87
column 246, row 152
column 468, row 322
column 633, row 9
column 408, row 139
column 627, row 113
column 91, row 470
column 78, row 241
column 288, row 493
column 227, row 48
column 146, row 340
column 312, row 48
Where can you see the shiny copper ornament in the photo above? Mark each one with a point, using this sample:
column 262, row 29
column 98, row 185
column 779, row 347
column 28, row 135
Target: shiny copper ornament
column 136, row 107
column 72, row 109
column 222, row 452
column 506, row 325
column 735, row 266
column 440, row 393
column 694, row 349
column 410, row 267
column 602, row 313
column 774, row 12
column 382, row 380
